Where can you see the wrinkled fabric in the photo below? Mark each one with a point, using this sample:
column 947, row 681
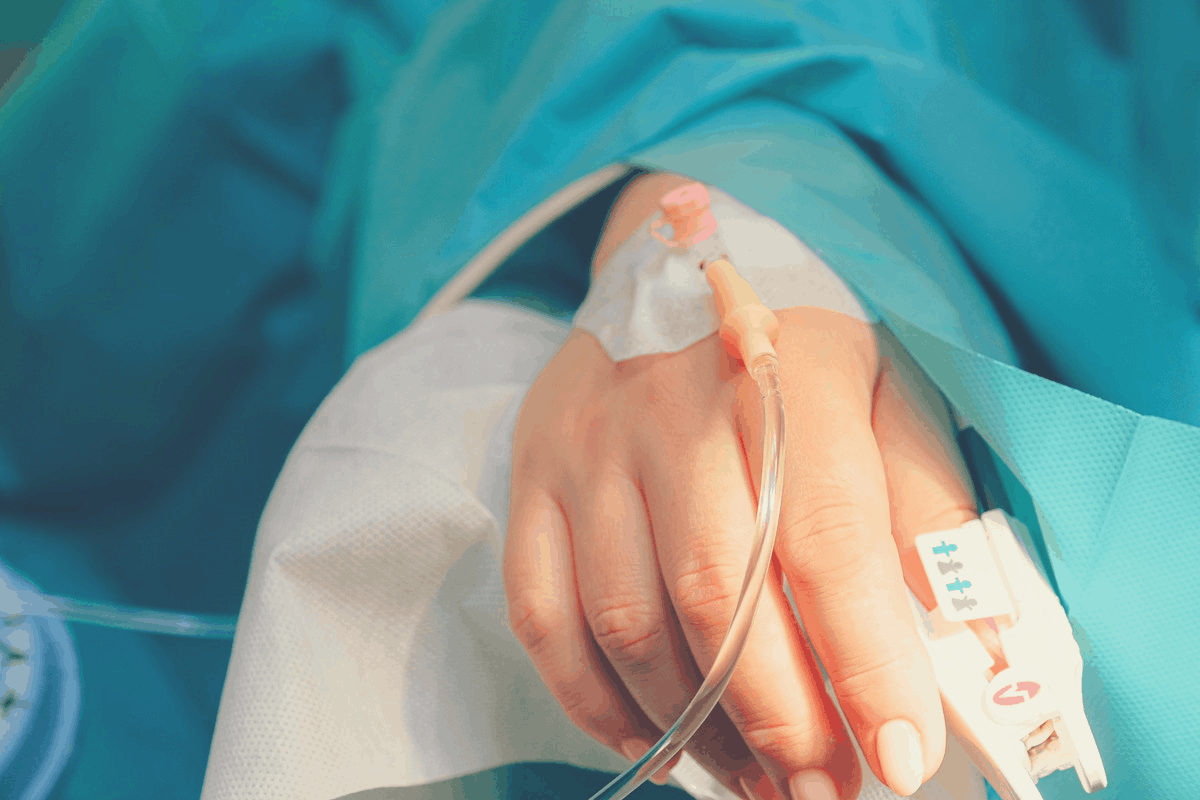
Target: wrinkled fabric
column 372, row 648
column 206, row 204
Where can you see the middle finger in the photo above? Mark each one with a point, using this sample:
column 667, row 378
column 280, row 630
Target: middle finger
column 702, row 507
column 629, row 614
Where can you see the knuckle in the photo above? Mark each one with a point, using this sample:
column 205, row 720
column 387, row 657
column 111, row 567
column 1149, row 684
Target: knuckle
column 829, row 533
column 632, row 635
column 588, row 707
column 534, row 622
column 866, row 675
column 789, row 740
column 705, row 595
column 579, row 704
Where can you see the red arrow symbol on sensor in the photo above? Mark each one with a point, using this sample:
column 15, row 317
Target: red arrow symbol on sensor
column 1022, row 691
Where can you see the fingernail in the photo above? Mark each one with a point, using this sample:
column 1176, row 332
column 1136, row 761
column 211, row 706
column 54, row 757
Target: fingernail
column 762, row 789
column 814, row 784
column 634, row 750
column 900, row 756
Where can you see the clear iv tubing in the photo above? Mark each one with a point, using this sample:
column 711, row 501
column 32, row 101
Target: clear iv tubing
column 142, row 620
column 765, row 372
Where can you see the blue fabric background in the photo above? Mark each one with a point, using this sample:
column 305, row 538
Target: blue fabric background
column 167, row 326
column 205, row 206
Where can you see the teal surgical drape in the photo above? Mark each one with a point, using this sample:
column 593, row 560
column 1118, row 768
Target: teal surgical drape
column 206, row 205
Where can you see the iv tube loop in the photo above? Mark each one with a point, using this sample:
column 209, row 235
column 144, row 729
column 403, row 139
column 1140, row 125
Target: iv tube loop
column 763, row 365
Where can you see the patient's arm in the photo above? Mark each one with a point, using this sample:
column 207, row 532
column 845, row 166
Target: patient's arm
column 632, row 510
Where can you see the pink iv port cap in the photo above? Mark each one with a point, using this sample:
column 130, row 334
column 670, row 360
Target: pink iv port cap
column 686, row 201
column 687, row 211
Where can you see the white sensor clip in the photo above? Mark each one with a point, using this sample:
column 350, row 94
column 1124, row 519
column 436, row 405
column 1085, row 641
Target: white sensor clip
column 1026, row 720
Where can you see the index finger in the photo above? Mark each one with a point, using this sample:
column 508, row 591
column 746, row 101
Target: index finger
column 702, row 509
column 836, row 548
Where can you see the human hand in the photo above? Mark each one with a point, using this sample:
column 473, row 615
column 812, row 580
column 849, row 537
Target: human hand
column 632, row 511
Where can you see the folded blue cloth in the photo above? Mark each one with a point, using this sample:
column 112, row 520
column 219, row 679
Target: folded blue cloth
column 207, row 204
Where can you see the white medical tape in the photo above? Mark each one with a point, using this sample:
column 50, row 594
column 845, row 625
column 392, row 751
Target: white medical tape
column 652, row 299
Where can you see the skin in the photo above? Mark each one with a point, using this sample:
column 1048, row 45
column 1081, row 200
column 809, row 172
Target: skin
column 632, row 512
